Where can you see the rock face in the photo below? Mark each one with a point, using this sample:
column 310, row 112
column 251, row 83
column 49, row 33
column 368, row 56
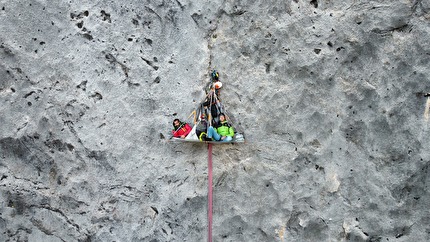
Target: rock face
column 330, row 95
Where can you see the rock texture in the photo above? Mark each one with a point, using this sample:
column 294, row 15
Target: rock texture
column 330, row 95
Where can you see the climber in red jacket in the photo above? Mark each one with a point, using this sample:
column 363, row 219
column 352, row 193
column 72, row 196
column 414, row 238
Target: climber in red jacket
column 180, row 129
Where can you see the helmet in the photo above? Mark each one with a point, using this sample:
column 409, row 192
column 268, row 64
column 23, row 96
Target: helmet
column 218, row 85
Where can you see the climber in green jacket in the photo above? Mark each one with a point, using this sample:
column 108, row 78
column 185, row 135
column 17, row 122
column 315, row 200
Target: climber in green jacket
column 223, row 131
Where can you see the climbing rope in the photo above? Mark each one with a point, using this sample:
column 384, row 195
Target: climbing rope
column 209, row 192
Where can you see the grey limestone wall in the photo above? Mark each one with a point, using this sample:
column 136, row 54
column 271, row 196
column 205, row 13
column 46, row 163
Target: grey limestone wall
column 330, row 95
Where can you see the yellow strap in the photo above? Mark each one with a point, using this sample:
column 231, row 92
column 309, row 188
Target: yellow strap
column 195, row 116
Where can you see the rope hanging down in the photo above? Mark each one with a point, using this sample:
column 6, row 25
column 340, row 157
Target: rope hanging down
column 209, row 192
column 210, row 116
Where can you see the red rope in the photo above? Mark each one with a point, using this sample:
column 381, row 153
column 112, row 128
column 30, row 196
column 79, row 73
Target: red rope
column 209, row 192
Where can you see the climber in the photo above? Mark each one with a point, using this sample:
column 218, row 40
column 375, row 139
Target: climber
column 180, row 129
column 223, row 131
column 201, row 129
